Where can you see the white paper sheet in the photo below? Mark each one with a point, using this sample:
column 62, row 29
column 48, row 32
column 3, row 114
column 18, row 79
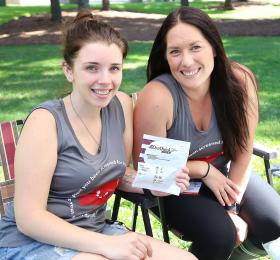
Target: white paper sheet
column 159, row 162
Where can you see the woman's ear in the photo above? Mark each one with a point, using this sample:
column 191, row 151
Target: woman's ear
column 67, row 72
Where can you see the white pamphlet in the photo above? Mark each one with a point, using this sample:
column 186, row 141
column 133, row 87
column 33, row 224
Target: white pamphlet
column 159, row 162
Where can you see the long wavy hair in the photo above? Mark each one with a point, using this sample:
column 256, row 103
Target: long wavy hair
column 229, row 98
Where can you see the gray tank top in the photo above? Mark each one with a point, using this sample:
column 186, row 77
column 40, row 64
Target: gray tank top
column 205, row 145
column 82, row 182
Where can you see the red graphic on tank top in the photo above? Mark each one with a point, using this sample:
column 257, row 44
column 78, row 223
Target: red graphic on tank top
column 100, row 195
column 209, row 158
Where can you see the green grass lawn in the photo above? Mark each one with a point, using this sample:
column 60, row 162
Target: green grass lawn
column 11, row 12
column 125, row 216
column 269, row 9
column 31, row 74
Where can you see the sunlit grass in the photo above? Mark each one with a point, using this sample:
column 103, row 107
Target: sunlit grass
column 269, row 9
column 31, row 74
column 125, row 216
column 213, row 8
column 256, row 12
column 11, row 12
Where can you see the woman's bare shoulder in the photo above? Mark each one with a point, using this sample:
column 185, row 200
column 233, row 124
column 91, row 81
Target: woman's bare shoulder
column 243, row 74
column 155, row 93
column 125, row 101
column 39, row 125
column 40, row 117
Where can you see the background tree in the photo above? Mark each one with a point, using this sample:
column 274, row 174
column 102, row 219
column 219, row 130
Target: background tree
column 184, row 2
column 105, row 5
column 2, row 2
column 83, row 4
column 55, row 11
column 228, row 5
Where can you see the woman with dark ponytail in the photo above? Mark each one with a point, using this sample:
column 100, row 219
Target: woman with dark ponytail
column 71, row 156
column 195, row 93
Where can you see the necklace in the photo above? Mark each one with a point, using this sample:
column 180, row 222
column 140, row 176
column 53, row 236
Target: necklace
column 91, row 135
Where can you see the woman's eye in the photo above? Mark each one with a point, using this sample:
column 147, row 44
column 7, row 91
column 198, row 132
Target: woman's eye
column 115, row 68
column 92, row 68
column 195, row 48
column 174, row 52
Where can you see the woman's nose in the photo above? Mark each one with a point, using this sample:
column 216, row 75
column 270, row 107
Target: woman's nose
column 187, row 59
column 104, row 77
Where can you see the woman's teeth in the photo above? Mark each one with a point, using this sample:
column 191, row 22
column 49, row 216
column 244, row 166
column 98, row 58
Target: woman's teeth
column 190, row 73
column 101, row 91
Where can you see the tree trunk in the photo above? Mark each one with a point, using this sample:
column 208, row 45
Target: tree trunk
column 55, row 11
column 105, row 5
column 184, row 2
column 83, row 4
column 228, row 5
column 2, row 2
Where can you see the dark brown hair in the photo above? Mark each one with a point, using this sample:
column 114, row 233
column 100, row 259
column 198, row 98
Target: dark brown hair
column 229, row 97
column 84, row 29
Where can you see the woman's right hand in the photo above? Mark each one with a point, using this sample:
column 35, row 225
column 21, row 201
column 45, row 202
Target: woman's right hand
column 225, row 190
column 182, row 181
column 130, row 246
column 241, row 228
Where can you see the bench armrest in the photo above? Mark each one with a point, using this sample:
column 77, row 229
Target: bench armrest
column 264, row 152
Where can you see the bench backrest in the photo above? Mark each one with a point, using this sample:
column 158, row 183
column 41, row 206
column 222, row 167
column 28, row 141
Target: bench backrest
column 9, row 134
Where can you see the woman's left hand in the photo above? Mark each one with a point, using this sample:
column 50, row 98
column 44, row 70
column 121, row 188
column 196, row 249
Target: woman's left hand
column 225, row 190
column 241, row 228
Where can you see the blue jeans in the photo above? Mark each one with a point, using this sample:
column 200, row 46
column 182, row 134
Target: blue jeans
column 40, row 251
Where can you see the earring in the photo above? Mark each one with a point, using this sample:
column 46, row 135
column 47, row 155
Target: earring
column 67, row 72
column 69, row 78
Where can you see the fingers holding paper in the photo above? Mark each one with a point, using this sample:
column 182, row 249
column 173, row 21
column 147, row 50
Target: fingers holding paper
column 183, row 179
